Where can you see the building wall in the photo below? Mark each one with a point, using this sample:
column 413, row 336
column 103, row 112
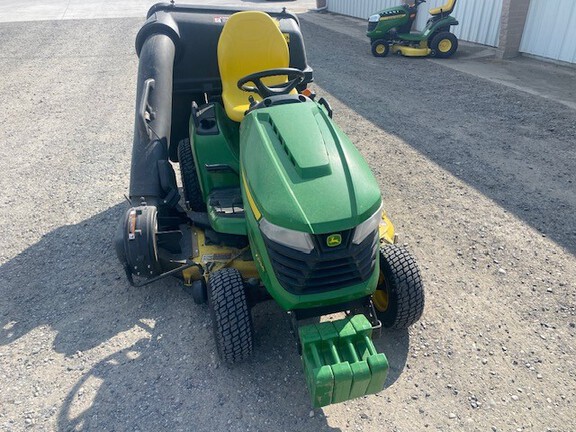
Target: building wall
column 550, row 30
column 479, row 19
column 512, row 20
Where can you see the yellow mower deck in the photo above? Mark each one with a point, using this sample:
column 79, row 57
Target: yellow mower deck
column 216, row 257
column 421, row 51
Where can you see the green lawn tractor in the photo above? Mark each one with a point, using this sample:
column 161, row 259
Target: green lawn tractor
column 276, row 202
column 389, row 30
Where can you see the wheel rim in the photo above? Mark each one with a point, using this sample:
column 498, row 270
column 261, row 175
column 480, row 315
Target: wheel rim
column 445, row 45
column 380, row 297
column 380, row 49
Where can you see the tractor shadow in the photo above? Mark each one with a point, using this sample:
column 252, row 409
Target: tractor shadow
column 395, row 344
column 516, row 149
column 141, row 358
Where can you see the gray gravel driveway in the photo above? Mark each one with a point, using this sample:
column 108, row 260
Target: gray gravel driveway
column 478, row 178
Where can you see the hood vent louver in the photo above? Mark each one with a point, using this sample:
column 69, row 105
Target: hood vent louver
column 282, row 142
column 305, row 148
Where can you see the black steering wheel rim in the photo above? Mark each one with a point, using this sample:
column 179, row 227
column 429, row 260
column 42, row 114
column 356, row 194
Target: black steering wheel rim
column 278, row 89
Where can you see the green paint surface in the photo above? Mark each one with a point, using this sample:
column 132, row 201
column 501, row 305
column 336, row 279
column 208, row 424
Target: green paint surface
column 340, row 360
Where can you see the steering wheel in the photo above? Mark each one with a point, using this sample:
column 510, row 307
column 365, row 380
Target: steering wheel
column 274, row 90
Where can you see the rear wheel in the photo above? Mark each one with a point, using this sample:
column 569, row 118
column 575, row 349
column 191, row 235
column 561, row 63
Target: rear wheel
column 399, row 296
column 443, row 45
column 380, row 48
column 231, row 319
column 189, row 176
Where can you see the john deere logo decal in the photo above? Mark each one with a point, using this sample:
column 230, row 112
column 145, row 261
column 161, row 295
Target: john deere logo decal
column 334, row 240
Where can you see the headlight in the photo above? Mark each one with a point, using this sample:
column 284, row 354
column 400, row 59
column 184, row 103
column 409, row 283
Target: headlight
column 374, row 18
column 367, row 227
column 298, row 240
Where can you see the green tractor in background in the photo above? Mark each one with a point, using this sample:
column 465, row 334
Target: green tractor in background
column 389, row 30
column 278, row 203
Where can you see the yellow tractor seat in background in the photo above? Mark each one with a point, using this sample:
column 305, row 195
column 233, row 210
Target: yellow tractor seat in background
column 250, row 42
column 446, row 8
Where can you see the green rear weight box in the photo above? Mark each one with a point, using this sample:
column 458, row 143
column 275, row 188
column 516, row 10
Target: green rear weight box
column 340, row 360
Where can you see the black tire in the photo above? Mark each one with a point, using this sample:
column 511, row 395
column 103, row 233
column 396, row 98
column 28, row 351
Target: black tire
column 189, row 176
column 399, row 296
column 380, row 48
column 443, row 44
column 231, row 319
column 198, row 290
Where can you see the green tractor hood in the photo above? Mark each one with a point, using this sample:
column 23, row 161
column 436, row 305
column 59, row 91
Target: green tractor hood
column 308, row 177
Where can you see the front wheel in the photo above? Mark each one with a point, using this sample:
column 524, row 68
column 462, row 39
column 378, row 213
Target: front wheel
column 399, row 296
column 380, row 48
column 231, row 318
column 443, row 44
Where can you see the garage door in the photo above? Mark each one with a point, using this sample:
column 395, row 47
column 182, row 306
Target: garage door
column 550, row 30
column 479, row 19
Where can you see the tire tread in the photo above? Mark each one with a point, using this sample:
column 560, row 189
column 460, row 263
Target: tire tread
column 405, row 286
column 189, row 176
column 231, row 318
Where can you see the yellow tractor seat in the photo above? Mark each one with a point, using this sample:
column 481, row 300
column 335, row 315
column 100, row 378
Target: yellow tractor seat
column 445, row 8
column 250, row 42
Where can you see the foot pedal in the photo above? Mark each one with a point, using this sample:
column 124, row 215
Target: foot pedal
column 340, row 360
column 227, row 202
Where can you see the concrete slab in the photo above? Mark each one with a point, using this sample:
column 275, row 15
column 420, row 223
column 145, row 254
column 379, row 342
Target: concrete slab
column 536, row 77
column 41, row 10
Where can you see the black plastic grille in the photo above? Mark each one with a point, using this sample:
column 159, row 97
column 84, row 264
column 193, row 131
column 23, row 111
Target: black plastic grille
column 372, row 25
column 325, row 268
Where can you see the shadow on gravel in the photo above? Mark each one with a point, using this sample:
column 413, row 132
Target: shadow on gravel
column 142, row 359
column 67, row 282
column 395, row 344
column 514, row 148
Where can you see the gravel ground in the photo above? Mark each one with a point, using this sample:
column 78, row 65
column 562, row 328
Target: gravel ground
column 478, row 178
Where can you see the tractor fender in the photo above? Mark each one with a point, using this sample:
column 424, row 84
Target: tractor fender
column 444, row 24
column 441, row 24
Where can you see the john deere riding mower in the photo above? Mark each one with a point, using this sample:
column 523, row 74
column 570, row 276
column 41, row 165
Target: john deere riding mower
column 389, row 30
column 277, row 202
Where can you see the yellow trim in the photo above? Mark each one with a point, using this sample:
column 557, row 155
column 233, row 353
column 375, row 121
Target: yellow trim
column 386, row 234
column 391, row 17
column 445, row 45
column 380, row 299
column 255, row 210
column 380, row 48
column 380, row 296
column 386, row 230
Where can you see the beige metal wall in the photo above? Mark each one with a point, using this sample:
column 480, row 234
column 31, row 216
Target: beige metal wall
column 550, row 30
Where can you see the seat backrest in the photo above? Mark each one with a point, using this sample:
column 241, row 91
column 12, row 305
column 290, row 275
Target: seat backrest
column 250, row 42
column 445, row 8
